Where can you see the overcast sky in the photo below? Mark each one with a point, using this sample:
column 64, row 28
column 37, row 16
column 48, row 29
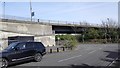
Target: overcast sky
column 92, row 12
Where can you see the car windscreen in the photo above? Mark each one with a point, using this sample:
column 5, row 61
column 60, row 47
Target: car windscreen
column 11, row 46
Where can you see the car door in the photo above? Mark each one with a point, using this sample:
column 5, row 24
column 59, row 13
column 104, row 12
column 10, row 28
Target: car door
column 18, row 52
column 30, row 49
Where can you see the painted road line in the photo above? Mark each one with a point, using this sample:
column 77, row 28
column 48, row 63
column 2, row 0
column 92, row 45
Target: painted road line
column 69, row 58
column 113, row 62
column 91, row 52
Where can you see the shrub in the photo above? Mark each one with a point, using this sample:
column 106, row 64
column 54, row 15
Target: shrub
column 72, row 41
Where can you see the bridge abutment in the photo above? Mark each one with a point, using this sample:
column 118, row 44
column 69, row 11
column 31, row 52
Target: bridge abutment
column 41, row 33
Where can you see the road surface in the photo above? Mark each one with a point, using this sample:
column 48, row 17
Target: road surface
column 84, row 54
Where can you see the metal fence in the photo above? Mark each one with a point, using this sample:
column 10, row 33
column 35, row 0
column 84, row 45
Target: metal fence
column 10, row 18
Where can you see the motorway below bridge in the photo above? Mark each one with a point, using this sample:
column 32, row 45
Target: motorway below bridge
column 83, row 55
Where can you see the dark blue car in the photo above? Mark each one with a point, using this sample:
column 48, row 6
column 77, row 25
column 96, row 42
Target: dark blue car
column 21, row 51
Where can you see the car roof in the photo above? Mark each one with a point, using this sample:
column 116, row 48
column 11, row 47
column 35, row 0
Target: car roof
column 26, row 42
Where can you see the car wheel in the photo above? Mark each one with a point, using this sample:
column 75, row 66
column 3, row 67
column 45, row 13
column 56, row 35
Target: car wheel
column 38, row 57
column 4, row 63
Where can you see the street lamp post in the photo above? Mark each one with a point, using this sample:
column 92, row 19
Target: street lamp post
column 4, row 10
column 31, row 12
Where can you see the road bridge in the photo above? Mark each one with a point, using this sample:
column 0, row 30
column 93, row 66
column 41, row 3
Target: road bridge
column 42, row 30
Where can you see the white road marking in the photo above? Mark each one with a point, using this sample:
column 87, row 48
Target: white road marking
column 69, row 58
column 91, row 52
column 112, row 62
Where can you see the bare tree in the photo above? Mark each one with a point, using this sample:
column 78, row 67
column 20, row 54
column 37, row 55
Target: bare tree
column 110, row 28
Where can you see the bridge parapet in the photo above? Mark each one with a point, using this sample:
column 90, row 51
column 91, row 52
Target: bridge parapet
column 16, row 19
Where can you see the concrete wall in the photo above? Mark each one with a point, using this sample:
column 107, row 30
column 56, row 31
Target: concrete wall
column 4, row 37
column 41, row 33
column 35, row 29
column 46, row 40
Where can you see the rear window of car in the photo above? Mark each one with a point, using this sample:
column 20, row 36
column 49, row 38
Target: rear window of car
column 38, row 45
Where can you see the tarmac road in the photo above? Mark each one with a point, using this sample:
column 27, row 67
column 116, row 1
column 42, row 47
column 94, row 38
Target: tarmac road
column 83, row 55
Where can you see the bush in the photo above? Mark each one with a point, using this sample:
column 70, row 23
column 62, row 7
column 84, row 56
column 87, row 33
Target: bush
column 72, row 41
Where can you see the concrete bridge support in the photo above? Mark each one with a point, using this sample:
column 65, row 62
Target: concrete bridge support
column 41, row 33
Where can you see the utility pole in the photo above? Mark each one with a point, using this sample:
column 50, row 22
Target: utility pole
column 4, row 10
column 30, row 10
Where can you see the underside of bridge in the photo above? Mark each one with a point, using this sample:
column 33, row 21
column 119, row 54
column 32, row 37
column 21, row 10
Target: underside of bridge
column 67, row 29
column 71, row 29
